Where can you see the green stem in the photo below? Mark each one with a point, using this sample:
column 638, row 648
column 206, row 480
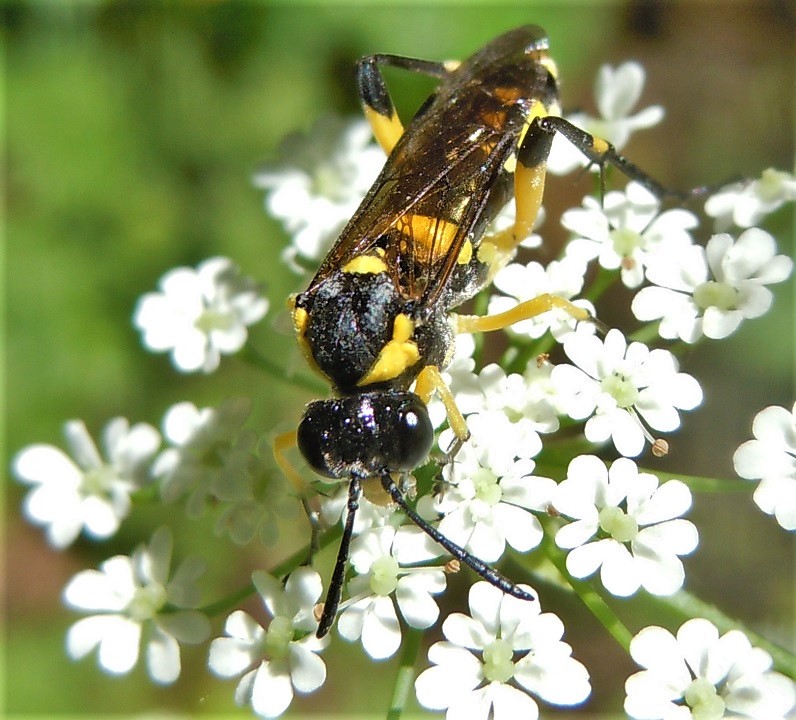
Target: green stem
column 702, row 484
column 587, row 594
column 405, row 676
column 299, row 380
column 644, row 334
column 286, row 567
column 602, row 281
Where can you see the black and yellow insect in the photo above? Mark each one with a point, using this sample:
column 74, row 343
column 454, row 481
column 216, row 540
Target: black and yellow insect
column 377, row 317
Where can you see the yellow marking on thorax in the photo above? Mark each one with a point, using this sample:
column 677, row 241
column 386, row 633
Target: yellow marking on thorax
column 465, row 254
column 398, row 355
column 300, row 320
column 367, row 264
column 430, row 234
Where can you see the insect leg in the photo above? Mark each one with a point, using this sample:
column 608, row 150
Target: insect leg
column 523, row 311
column 376, row 102
column 282, row 443
column 430, row 380
column 487, row 572
column 529, row 177
column 335, row 591
column 603, row 153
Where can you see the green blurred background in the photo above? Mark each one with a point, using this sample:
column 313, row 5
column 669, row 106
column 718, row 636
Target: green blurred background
column 132, row 133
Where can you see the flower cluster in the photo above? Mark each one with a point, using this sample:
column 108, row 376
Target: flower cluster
column 136, row 601
column 551, row 465
column 201, row 314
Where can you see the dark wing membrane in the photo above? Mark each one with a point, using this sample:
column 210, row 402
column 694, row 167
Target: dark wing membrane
column 447, row 166
column 425, row 203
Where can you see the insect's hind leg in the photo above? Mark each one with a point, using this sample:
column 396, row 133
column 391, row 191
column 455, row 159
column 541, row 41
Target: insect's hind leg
column 529, row 178
column 602, row 153
column 376, row 102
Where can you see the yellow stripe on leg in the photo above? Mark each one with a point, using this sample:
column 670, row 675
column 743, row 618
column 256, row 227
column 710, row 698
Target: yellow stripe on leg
column 387, row 130
column 430, row 380
column 523, row 311
column 528, row 192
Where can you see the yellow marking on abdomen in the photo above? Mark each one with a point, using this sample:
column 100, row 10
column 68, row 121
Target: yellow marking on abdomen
column 368, row 264
column 429, row 234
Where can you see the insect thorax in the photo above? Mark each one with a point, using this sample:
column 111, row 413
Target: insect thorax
column 360, row 332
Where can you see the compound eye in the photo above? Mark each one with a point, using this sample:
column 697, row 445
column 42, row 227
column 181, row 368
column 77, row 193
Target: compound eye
column 415, row 435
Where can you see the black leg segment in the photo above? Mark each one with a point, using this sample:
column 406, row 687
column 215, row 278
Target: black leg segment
column 335, row 591
column 487, row 572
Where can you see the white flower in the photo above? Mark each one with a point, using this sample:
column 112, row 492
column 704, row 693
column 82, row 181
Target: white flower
column 322, row 179
column 625, row 525
column 483, row 510
column 334, row 509
column 563, row 278
column 209, row 456
column 627, row 231
column 712, row 290
column 377, row 556
column 275, row 661
column 701, row 676
column 771, row 457
column 491, row 662
column 88, row 492
column 200, row 314
column 616, row 91
column 251, row 504
column 615, row 384
column 521, row 398
column 131, row 595
column 747, row 203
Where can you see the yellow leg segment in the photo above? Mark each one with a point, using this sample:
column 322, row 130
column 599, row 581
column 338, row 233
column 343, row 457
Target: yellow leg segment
column 387, row 130
column 528, row 192
column 430, row 380
column 524, row 311
column 282, row 443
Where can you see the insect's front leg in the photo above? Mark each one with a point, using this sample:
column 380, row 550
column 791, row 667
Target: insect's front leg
column 335, row 591
column 376, row 102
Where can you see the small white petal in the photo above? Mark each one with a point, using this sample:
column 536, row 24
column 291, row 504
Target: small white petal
column 163, row 657
column 118, row 650
column 272, row 691
column 509, row 702
column 308, row 671
column 381, row 633
column 618, row 573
